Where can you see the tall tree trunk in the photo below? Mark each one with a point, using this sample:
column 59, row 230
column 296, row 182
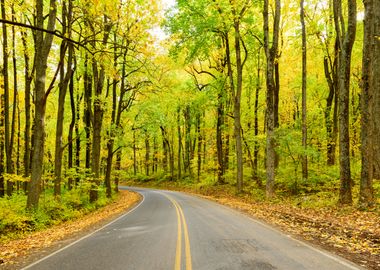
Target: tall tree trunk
column 237, row 113
column 42, row 49
column 179, row 169
column 2, row 157
column 64, row 81
column 8, row 149
column 371, row 56
column 135, row 153
column 256, row 121
column 376, row 94
column 15, row 87
column 28, row 81
column 147, row 154
column 304, row 98
column 70, row 163
column 99, row 79
column 199, row 148
column 187, row 160
column 271, row 55
column 77, row 136
column 330, row 70
column 346, row 39
column 219, row 137
column 118, row 168
column 87, row 80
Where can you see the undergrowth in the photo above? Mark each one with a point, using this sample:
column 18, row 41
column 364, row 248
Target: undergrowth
column 15, row 220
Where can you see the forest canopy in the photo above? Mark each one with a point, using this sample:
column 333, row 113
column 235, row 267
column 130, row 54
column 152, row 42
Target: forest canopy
column 275, row 98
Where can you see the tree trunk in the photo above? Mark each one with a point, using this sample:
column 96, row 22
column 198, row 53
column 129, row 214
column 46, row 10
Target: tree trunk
column 376, row 94
column 118, row 168
column 64, row 82
column 15, row 92
column 237, row 113
column 179, row 143
column 28, row 82
column 256, row 122
column 371, row 55
column 345, row 41
column 42, row 49
column 304, row 98
column 8, row 149
column 219, row 137
column 187, row 160
column 71, row 129
column 135, row 153
column 78, row 138
column 87, row 80
column 2, row 157
column 271, row 55
column 147, row 155
column 199, row 148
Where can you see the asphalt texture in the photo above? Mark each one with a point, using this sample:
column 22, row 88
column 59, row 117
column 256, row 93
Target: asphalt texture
column 172, row 230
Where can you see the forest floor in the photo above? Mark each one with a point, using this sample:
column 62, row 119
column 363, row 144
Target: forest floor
column 15, row 254
column 345, row 231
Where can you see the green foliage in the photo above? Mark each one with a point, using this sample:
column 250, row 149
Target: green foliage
column 15, row 220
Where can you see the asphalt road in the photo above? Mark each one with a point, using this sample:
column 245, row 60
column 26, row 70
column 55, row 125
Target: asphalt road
column 171, row 230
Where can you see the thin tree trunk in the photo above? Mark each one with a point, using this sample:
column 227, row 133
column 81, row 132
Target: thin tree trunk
column 78, row 137
column 237, row 113
column 134, row 153
column 28, row 82
column 304, row 98
column 219, row 138
column 70, row 134
column 199, row 148
column 8, row 149
column 147, row 154
column 87, row 80
column 2, row 157
column 256, row 122
column 179, row 143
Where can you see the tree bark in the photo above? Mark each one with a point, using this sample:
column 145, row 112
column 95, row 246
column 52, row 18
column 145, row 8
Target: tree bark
column 237, row 103
column 376, row 94
column 219, row 137
column 8, row 149
column 64, row 82
column 42, row 49
column 271, row 57
column 179, row 165
column 371, row 55
column 28, row 76
column 346, row 39
column 304, row 97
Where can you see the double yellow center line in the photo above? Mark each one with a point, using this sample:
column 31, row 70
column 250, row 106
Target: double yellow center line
column 181, row 221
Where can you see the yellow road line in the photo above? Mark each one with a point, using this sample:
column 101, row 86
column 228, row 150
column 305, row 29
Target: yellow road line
column 187, row 241
column 177, row 265
column 181, row 220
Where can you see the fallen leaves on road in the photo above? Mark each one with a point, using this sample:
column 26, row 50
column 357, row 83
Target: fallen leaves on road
column 12, row 250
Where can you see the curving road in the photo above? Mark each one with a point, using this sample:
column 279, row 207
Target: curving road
column 171, row 230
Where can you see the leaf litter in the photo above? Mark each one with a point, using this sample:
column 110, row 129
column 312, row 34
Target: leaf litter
column 18, row 251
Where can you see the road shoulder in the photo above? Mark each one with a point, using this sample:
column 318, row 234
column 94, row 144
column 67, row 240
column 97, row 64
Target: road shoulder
column 18, row 253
